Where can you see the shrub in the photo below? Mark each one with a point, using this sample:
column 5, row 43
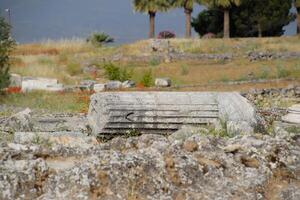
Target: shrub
column 282, row 72
column 184, row 70
column 115, row 73
column 73, row 69
column 6, row 45
column 147, row 79
column 264, row 73
column 154, row 62
column 166, row 35
column 98, row 39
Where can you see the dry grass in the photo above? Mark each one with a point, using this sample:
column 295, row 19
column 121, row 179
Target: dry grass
column 55, row 59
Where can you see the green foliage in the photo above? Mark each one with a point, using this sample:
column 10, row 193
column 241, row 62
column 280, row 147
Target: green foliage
column 282, row 72
column 264, row 73
column 132, row 133
column 98, row 39
column 6, row 45
column 154, row 62
column 114, row 72
column 147, row 79
column 73, row 69
column 147, row 6
column 270, row 15
column 41, row 141
column 208, row 21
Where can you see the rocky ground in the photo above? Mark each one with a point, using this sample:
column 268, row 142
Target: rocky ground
column 53, row 156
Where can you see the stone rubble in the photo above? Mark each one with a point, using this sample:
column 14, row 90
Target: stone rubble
column 154, row 167
column 54, row 156
column 293, row 116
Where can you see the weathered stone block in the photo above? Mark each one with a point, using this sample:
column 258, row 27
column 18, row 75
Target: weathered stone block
column 30, row 83
column 99, row 87
column 165, row 112
column 113, row 85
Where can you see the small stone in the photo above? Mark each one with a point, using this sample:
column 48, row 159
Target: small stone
column 232, row 148
column 128, row 84
column 163, row 82
column 113, row 85
column 190, row 146
column 99, row 87
column 87, row 85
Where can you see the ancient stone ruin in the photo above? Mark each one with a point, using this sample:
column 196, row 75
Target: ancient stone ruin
column 116, row 113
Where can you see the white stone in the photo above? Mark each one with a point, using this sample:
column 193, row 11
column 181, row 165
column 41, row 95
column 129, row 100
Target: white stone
column 163, row 82
column 99, row 87
column 30, row 83
column 128, row 84
column 293, row 115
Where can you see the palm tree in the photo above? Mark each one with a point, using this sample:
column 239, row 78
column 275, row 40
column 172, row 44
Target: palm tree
column 297, row 5
column 151, row 7
column 188, row 9
column 225, row 6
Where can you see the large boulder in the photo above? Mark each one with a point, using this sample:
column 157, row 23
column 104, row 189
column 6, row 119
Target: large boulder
column 165, row 112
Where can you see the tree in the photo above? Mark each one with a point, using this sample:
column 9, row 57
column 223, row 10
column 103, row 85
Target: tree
column 297, row 5
column 208, row 21
column 151, row 7
column 250, row 19
column 187, row 5
column 6, row 45
column 225, row 5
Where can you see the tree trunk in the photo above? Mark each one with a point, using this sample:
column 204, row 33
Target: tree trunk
column 298, row 20
column 226, row 24
column 152, row 24
column 188, row 17
column 259, row 30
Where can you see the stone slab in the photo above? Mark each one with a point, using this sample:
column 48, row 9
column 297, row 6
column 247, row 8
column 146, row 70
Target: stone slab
column 166, row 112
column 47, row 84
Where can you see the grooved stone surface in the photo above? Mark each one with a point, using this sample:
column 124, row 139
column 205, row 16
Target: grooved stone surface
column 115, row 113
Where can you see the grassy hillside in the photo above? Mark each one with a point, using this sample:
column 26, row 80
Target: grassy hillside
column 64, row 60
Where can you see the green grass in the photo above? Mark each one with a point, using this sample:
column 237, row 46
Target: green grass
column 52, row 102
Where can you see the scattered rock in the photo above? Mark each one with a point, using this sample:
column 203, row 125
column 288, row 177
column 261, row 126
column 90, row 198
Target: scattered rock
column 21, row 121
column 70, row 139
column 30, row 83
column 293, row 115
column 99, row 87
column 255, row 56
column 87, row 85
column 128, row 84
column 163, row 82
column 190, row 146
column 232, row 148
column 113, row 85
column 152, row 167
